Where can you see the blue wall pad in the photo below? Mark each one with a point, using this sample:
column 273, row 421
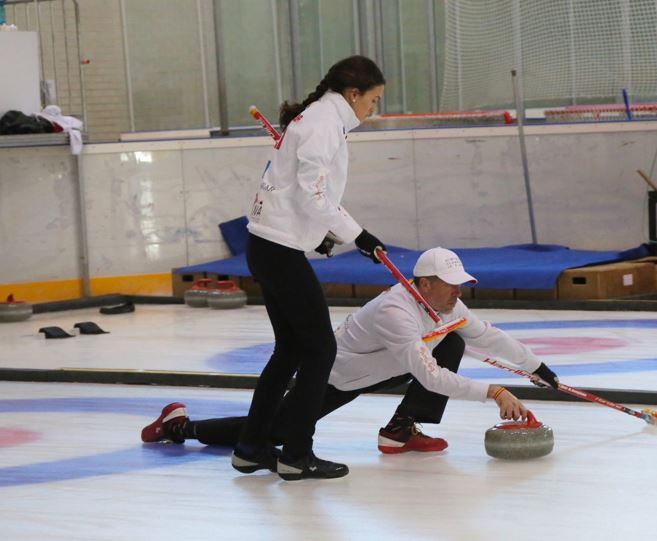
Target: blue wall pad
column 520, row 266
column 235, row 234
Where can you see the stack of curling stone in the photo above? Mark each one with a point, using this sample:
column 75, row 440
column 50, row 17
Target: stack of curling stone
column 226, row 295
column 514, row 440
column 12, row 310
column 197, row 295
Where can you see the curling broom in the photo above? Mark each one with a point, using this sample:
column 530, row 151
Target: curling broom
column 647, row 414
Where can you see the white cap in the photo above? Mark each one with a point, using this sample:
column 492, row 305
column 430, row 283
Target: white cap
column 444, row 264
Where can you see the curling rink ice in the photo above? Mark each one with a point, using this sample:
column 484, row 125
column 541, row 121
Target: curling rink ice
column 72, row 466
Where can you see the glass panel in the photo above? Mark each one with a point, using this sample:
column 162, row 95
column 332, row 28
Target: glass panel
column 326, row 30
column 416, row 57
column 166, row 78
column 251, row 47
column 439, row 42
column 310, row 42
column 392, row 59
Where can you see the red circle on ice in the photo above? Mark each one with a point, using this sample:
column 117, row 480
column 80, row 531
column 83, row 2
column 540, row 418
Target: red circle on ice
column 11, row 437
column 574, row 344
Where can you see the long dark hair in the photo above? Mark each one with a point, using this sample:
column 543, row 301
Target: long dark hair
column 354, row 72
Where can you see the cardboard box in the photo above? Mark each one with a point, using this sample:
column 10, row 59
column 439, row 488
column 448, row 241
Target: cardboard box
column 650, row 259
column 535, row 294
column 607, row 281
column 338, row 291
column 493, row 294
column 250, row 286
column 181, row 283
column 362, row 291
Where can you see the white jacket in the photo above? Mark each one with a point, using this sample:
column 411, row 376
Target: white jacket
column 383, row 339
column 298, row 200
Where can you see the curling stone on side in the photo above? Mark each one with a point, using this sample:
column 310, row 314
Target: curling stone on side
column 514, row 440
column 197, row 295
column 13, row 310
column 226, row 295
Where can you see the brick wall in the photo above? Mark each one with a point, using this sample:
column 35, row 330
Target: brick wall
column 105, row 76
column 101, row 41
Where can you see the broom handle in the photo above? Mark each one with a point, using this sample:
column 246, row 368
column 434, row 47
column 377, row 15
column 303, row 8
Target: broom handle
column 381, row 255
column 647, row 179
column 255, row 113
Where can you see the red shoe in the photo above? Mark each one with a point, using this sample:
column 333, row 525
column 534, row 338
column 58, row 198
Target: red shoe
column 162, row 429
column 409, row 439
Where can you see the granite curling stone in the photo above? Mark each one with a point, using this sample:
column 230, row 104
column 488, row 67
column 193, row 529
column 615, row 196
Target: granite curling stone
column 197, row 295
column 517, row 440
column 226, row 295
column 12, row 310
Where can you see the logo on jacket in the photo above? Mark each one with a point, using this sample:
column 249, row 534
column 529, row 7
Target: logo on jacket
column 256, row 209
column 320, row 187
column 266, row 168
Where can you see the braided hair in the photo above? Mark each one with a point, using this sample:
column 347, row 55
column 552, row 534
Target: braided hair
column 353, row 72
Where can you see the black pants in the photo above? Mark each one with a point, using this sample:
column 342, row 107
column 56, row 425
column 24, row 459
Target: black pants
column 305, row 344
column 423, row 405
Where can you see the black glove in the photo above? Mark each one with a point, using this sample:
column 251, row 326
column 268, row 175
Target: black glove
column 326, row 247
column 546, row 376
column 367, row 243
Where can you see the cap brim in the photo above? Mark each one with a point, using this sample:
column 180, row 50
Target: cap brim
column 457, row 278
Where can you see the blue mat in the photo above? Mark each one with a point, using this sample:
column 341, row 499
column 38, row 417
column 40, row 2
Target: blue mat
column 520, row 266
column 235, row 234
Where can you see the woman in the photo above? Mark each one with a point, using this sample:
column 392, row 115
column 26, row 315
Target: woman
column 297, row 209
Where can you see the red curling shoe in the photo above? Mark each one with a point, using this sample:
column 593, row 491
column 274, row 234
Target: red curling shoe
column 409, row 439
column 163, row 428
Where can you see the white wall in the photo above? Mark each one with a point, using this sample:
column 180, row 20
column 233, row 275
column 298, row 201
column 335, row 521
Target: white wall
column 152, row 206
column 19, row 72
column 38, row 215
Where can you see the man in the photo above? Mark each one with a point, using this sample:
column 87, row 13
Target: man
column 381, row 346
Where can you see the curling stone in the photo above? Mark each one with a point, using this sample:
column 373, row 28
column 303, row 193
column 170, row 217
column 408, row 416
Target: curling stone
column 515, row 440
column 52, row 333
column 226, row 295
column 12, row 310
column 197, row 295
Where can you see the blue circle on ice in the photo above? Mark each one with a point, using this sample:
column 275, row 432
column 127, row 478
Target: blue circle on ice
column 252, row 359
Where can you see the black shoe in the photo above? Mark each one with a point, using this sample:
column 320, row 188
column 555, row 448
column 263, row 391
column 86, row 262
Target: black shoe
column 310, row 467
column 55, row 332
column 89, row 327
column 264, row 459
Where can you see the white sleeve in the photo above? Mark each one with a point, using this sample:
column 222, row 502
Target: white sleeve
column 314, row 154
column 495, row 342
column 401, row 334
